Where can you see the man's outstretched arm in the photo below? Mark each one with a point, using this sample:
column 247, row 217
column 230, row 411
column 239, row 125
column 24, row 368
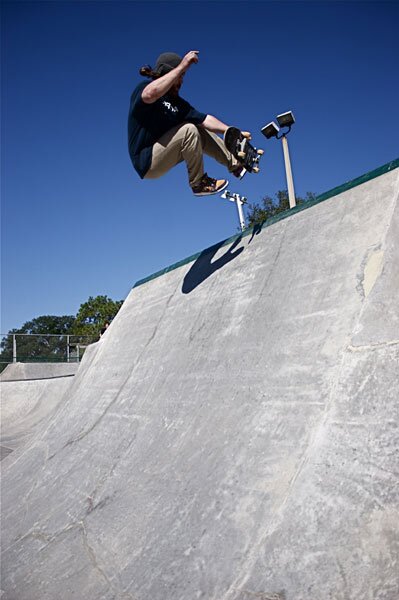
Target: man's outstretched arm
column 213, row 124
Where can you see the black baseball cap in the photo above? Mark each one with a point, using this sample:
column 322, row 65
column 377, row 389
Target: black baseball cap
column 166, row 62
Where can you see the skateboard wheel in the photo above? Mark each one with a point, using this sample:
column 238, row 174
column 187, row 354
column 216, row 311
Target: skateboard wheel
column 260, row 152
column 256, row 169
column 241, row 154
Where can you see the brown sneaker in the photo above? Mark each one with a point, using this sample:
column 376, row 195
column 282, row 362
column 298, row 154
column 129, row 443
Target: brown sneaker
column 208, row 186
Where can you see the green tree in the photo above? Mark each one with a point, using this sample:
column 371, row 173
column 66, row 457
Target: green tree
column 93, row 314
column 44, row 338
column 36, row 343
column 269, row 207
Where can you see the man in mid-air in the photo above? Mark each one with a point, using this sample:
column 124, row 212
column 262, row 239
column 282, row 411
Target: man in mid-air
column 164, row 129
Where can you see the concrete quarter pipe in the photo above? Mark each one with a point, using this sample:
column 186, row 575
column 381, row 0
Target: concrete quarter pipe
column 30, row 393
column 233, row 435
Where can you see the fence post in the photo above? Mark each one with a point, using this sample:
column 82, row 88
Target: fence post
column 67, row 348
column 14, row 348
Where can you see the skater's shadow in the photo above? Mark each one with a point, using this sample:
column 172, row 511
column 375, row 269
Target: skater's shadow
column 204, row 267
column 256, row 230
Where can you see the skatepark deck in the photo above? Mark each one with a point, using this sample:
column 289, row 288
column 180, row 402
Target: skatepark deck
column 233, row 435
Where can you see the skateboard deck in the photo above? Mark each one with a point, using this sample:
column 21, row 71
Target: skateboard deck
column 243, row 150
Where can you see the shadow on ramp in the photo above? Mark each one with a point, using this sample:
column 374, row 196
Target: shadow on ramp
column 204, row 267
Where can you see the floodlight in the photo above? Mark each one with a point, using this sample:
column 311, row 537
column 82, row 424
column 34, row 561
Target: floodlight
column 270, row 130
column 238, row 201
column 286, row 119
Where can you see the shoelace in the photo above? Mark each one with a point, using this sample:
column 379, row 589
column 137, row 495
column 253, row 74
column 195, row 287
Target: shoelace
column 208, row 180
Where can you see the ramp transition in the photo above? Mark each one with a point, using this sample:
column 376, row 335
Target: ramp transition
column 30, row 393
column 233, row 435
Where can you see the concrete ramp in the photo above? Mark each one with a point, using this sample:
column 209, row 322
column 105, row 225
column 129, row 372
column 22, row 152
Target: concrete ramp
column 29, row 395
column 23, row 371
column 233, row 435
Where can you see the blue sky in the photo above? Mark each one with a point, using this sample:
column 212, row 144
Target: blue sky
column 77, row 220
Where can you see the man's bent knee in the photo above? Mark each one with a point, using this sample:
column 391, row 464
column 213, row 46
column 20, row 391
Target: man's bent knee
column 190, row 130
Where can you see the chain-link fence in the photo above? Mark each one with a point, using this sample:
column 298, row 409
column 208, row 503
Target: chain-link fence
column 36, row 347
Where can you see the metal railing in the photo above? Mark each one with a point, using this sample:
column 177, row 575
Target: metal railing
column 45, row 349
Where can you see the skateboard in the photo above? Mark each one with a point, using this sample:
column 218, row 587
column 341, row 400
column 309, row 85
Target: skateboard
column 242, row 149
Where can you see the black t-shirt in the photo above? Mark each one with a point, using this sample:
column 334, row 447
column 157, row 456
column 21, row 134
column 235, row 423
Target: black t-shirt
column 148, row 122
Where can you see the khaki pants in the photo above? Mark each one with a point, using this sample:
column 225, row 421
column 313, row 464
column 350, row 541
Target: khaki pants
column 188, row 142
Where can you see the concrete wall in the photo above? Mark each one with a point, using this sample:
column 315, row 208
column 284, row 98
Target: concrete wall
column 23, row 371
column 234, row 433
column 29, row 395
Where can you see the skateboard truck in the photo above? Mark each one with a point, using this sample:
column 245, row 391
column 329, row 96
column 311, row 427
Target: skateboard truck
column 239, row 201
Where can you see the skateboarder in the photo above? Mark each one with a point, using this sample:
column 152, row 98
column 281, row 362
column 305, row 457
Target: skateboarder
column 164, row 129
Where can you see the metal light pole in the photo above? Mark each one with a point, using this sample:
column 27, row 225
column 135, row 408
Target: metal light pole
column 288, row 172
column 272, row 130
column 239, row 202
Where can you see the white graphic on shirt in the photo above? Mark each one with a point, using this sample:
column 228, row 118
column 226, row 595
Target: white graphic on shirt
column 168, row 105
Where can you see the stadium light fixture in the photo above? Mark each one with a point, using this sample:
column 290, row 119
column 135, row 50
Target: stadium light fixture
column 270, row 130
column 286, row 119
column 239, row 201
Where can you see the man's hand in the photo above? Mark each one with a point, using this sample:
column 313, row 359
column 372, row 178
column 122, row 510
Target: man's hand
column 190, row 58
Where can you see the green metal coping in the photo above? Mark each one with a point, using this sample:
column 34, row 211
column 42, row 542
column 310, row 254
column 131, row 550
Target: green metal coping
column 394, row 164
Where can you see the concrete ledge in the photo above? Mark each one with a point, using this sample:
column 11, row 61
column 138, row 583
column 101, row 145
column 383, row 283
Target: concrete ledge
column 31, row 371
